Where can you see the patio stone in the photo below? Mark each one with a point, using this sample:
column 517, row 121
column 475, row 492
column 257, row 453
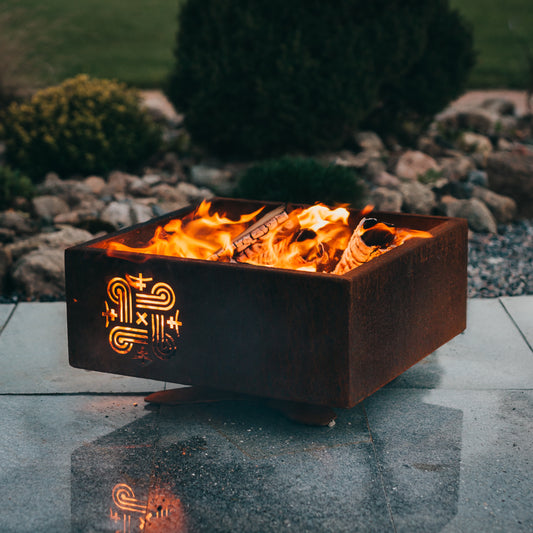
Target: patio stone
column 489, row 354
column 455, row 460
column 37, row 436
column 259, row 431
column 34, row 357
column 521, row 310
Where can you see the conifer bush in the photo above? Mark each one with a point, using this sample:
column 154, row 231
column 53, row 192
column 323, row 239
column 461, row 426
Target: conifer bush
column 257, row 79
column 301, row 180
column 82, row 126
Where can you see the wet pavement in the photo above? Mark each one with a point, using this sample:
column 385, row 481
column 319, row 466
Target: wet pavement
column 445, row 447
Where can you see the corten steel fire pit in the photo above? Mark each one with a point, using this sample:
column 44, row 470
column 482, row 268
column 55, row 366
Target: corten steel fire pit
column 308, row 337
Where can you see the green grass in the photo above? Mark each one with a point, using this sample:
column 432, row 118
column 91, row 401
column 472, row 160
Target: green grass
column 132, row 40
column 502, row 60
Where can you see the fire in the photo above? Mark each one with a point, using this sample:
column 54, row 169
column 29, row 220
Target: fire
column 314, row 239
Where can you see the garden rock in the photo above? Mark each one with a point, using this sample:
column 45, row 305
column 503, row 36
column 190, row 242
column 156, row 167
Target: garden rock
column 117, row 182
column 166, row 193
column 118, row 214
column 456, row 168
column 47, row 206
column 95, row 184
column 414, row 163
column 374, row 168
column 369, row 141
column 511, row 174
column 41, row 273
column 220, row 180
column 417, row 198
column 503, row 208
column 474, row 143
column 478, row 177
column 384, row 179
column 384, row 199
column 476, row 213
column 65, row 237
column 151, row 179
column 194, row 193
column 138, row 187
column 17, row 221
column 140, row 213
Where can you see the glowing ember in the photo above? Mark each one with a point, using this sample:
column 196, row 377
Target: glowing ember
column 314, row 239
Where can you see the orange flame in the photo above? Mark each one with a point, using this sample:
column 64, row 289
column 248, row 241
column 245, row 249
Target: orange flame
column 312, row 239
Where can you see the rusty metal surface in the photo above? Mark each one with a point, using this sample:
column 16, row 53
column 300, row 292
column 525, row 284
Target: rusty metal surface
column 298, row 336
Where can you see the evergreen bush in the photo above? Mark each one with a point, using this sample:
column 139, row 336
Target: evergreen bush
column 301, row 180
column 257, row 78
column 437, row 77
column 82, row 126
column 13, row 184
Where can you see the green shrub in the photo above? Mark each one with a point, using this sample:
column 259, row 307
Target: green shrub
column 13, row 184
column 267, row 78
column 300, row 180
column 259, row 78
column 436, row 78
column 82, row 126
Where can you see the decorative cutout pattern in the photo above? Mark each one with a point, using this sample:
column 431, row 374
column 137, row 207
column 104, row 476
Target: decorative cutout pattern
column 140, row 312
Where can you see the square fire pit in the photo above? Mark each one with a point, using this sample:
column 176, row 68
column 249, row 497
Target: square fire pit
column 308, row 337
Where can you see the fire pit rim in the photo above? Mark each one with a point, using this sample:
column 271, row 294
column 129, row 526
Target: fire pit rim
column 442, row 223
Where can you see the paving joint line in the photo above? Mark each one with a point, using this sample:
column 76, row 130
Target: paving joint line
column 8, row 318
column 380, row 471
column 515, row 324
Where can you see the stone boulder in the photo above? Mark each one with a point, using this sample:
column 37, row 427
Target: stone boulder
column 413, row 164
column 118, row 214
column 511, row 174
column 46, row 207
column 384, row 199
column 502, row 207
column 475, row 211
column 417, row 198
column 456, row 168
column 17, row 221
column 220, row 180
column 40, row 273
column 38, row 267
column 474, row 143
column 369, row 141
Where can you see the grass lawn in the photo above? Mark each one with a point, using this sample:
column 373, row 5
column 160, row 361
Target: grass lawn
column 132, row 40
column 502, row 61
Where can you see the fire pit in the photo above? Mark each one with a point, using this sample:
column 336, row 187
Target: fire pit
column 328, row 337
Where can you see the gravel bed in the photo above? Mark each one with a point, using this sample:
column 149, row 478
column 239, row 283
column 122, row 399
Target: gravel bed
column 501, row 264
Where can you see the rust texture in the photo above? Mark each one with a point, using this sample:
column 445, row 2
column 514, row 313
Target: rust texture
column 298, row 336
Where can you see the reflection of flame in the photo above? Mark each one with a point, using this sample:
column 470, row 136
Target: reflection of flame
column 311, row 239
column 161, row 513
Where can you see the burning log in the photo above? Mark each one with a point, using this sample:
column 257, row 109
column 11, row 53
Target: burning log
column 252, row 235
column 371, row 239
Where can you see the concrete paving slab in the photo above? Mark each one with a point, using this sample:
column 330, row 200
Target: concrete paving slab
column 490, row 354
column 34, row 357
column 211, row 484
column 259, row 431
column 521, row 310
column 38, row 434
column 455, row 460
column 5, row 313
